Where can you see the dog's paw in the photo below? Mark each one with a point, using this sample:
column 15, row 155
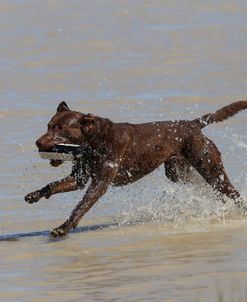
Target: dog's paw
column 61, row 231
column 33, row 197
column 58, row 232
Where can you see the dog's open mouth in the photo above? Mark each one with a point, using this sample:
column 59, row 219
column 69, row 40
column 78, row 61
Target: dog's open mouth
column 60, row 153
column 53, row 162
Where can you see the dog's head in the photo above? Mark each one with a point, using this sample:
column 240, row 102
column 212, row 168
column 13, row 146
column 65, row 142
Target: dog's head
column 67, row 127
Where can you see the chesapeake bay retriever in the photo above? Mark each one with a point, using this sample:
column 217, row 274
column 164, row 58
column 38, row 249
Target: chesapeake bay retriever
column 122, row 153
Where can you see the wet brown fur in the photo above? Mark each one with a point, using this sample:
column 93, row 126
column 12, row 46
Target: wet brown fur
column 123, row 153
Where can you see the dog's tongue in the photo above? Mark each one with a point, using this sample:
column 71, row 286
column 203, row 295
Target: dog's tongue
column 56, row 163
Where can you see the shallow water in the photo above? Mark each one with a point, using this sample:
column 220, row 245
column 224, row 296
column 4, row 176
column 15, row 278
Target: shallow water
column 129, row 61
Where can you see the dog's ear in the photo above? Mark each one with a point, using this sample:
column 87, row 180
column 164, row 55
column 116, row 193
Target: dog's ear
column 88, row 123
column 62, row 107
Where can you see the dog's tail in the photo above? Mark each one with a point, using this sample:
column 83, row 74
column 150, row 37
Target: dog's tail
column 221, row 114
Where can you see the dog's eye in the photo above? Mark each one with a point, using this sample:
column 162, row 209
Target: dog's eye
column 76, row 126
column 57, row 127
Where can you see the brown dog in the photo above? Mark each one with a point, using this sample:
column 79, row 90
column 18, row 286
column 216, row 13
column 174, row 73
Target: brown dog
column 123, row 153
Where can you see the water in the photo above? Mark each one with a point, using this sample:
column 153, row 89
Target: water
column 129, row 61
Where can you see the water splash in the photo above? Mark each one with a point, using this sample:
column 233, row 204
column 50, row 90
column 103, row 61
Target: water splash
column 181, row 204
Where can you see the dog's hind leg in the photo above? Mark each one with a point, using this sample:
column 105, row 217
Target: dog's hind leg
column 206, row 158
column 177, row 168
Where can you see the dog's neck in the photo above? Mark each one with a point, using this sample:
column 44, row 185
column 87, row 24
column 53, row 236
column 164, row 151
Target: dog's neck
column 102, row 135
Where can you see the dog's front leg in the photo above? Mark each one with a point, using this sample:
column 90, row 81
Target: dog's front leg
column 97, row 188
column 65, row 185
column 105, row 174
column 94, row 192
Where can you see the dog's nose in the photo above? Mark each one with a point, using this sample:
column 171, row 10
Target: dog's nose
column 39, row 143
